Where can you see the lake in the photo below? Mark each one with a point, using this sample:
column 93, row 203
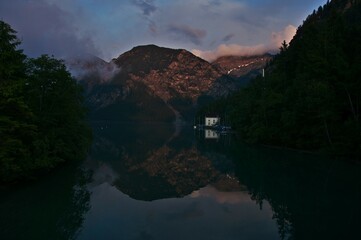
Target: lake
column 158, row 181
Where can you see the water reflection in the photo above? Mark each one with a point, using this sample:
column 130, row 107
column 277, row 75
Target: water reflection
column 312, row 197
column 288, row 195
column 211, row 134
column 51, row 209
column 156, row 181
column 160, row 163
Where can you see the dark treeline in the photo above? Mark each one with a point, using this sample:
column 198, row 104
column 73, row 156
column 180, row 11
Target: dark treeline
column 41, row 112
column 310, row 97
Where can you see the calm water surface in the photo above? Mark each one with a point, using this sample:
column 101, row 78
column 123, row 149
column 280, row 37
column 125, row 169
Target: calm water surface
column 155, row 181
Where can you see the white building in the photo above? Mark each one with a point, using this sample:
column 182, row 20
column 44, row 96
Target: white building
column 212, row 121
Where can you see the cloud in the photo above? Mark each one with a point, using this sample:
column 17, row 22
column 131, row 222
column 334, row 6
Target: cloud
column 236, row 197
column 111, row 27
column 285, row 35
column 153, row 28
column 45, row 28
column 87, row 65
column 209, row 5
column 230, row 50
column 185, row 32
column 147, row 6
column 228, row 37
column 242, row 50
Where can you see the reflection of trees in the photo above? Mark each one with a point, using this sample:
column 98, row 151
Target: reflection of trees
column 53, row 209
column 72, row 219
column 312, row 198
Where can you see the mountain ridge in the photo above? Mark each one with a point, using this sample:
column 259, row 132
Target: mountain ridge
column 173, row 80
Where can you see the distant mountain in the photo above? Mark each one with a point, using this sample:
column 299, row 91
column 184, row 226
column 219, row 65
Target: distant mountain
column 151, row 83
column 242, row 68
column 91, row 70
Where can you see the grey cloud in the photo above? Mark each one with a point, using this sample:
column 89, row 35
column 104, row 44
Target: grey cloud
column 215, row 2
column 153, row 28
column 45, row 29
column 147, row 6
column 211, row 4
column 186, row 32
column 228, row 37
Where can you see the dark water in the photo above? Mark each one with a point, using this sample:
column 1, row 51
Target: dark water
column 156, row 182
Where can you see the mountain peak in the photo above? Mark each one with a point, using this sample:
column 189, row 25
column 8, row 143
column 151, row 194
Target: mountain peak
column 148, row 46
column 156, row 83
column 167, row 72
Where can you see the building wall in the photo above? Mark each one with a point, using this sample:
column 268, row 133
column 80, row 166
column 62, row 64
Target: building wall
column 211, row 121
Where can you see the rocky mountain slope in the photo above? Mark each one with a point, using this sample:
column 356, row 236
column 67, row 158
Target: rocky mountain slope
column 173, row 73
column 151, row 83
column 242, row 68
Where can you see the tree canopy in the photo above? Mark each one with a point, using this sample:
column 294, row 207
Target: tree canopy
column 310, row 95
column 41, row 112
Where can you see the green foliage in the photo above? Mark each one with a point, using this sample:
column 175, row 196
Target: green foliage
column 207, row 106
column 310, row 96
column 41, row 112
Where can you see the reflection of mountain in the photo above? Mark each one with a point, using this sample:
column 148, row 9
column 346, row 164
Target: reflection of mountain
column 162, row 166
column 311, row 198
column 182, row 171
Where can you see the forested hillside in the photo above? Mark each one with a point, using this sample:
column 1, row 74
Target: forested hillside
column 310, row 97
column 41, row 112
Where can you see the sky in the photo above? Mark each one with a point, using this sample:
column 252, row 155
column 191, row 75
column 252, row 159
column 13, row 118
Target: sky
column 107, row 28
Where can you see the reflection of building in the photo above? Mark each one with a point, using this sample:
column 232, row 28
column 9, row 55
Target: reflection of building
column 210, row 134
column 212, row 120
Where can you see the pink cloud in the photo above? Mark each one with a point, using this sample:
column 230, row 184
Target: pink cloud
column 240, row 50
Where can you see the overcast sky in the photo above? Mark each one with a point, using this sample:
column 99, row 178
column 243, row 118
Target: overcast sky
column 107, row 28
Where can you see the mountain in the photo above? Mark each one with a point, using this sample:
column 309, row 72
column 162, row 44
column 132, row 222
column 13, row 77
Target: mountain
column 150, row 83
column 243, row 68
column 173, row 73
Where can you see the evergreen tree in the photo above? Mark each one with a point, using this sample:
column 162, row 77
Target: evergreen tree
column 17, row 130
column 41, row 112
column 310, row 98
